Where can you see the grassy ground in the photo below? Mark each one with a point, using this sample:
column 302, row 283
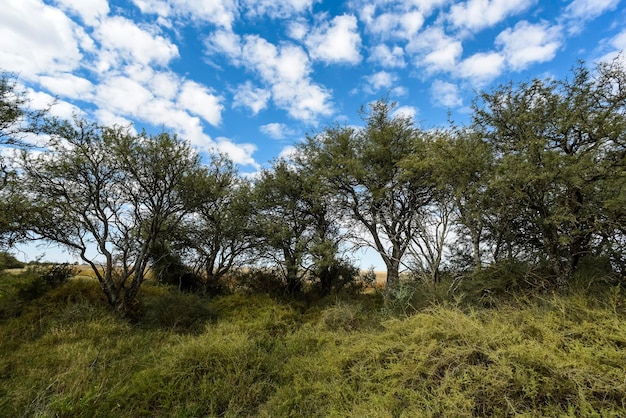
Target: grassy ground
column 65, row 354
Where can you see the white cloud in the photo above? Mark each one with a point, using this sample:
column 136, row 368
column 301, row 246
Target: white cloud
column 618, row 42
column 528, row 43
column 479, row 14
column 90, row 11
column 163, row 85
column 589, row 9
column 435, row 50
column 224, row 42
column 122, row 40
column 276, row 130
column 251, row 97
column 123, row 95
column 239, row 153
column 402, row 24
column 379, row 80
column 59, row 108
column 109, row 118
column 221, row 13
column 288, row 153
column 445, row 94
column 276, row 8
column 198, row 100
column 68, row 85
column 406, row 112
column 38, row 39
column 335, row 41
column 287, row 70
column 298, row 29
column 387, row 57
column 481, row 67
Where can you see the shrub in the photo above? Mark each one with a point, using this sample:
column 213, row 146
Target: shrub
column 261, row 280
column 8, row 261
column 46, row 279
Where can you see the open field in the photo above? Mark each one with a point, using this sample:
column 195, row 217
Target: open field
column 65, row 354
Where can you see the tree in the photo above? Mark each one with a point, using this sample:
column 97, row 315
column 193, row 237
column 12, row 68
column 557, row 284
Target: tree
column 560, row 160
column 296, row 225
column 461, row 164
column 283, row 219
column 106, row 190
column 16, row 120
column 363, row 167
column 217, row 236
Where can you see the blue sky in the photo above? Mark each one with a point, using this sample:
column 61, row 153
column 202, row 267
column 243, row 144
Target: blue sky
column 250, row 77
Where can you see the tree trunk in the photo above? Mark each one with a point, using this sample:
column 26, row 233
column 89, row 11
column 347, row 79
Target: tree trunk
column 393, row 277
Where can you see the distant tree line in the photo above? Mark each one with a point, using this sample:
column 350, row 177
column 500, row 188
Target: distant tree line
column 538, row 177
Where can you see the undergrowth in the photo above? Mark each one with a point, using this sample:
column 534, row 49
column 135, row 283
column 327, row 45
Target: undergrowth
column 66, row 354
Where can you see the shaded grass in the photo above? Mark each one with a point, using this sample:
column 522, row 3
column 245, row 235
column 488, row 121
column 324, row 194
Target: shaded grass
column 66, row 354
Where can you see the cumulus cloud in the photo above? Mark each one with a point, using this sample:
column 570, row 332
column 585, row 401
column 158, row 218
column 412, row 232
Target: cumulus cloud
column 436, row 51
column 618, row 43
column 221, row 13
column 406, row 111
column 253, row 98
column 288, row 153
column 481, row 67
column 276, row 8
column 445, row 94
column 479, row 14
column 285, row 69
column 224, row 42
column 336, row 41
column 387, row 57
column 38, row 39
column 589, row 9
column 90, row 11
column 379, row 80
column 58, row 108
column 68, row 85
column 276, row 130
column 122, row 40
column 199, row 100
column 528, row 43
column 239, row 153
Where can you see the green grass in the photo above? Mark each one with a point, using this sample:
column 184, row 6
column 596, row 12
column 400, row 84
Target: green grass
column 66, row 354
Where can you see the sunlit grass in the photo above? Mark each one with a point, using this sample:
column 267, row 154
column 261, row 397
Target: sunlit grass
column 67, row 354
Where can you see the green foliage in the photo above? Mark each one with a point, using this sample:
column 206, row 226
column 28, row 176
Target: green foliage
column 108, row 189
column 559, row 166
column 8, row 261
column 46, row 279
column 364, row 169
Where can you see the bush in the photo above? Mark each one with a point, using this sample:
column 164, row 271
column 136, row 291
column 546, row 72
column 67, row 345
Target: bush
column 334, row 277
column 501, row 280
column 8, row 261
column 46, row 279
column 261, row 280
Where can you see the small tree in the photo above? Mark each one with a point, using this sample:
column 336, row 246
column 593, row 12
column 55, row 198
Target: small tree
column 217, row 236
column 283, row 220
column 103, row 189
